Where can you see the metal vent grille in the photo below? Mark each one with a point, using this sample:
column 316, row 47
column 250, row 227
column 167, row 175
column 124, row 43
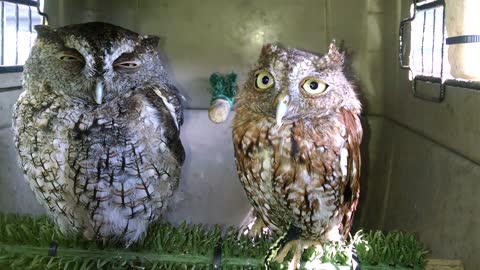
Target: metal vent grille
column 427, row 46
column 427, row 59
column 17, row 34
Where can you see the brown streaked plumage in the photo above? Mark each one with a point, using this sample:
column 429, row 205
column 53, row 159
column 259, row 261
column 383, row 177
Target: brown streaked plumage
column 297, row 151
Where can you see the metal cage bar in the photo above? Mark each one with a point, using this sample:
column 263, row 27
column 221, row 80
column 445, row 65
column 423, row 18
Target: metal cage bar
column 433, row 39
column 17, row 27
column 31, row 3
column 423, row 40
column 442, row 81
column 2, row 29
column 30, row 26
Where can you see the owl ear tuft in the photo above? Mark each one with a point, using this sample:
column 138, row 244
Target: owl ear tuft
column 268, row 48
column 150, row 40
column 335, row 54
column 45, row 31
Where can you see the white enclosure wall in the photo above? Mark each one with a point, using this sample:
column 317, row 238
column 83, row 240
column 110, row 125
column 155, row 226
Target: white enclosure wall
column 425, row 159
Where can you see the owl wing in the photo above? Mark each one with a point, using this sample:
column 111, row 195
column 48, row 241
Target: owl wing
column 351, row 188
column 330, row 156
column 168, row 102
column 41, row 144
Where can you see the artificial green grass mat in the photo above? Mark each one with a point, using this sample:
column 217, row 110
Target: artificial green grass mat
column 24, row 243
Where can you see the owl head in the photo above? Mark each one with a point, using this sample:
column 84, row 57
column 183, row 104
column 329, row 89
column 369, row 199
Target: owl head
column 94, row 62
column 288, row 84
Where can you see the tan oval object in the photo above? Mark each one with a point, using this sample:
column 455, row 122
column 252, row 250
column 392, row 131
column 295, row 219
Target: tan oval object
column 219, row 110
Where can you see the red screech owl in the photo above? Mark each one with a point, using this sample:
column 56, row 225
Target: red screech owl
column 97, row 130
column 296, row 135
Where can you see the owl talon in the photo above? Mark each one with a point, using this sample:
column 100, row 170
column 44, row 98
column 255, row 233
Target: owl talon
column 254, row 229
column 284, row 251
column 295, row 262
column 253, row 226
column 298, row 246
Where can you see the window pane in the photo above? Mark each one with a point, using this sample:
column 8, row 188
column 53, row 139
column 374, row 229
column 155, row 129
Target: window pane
column 426, row 53
column 18, row 34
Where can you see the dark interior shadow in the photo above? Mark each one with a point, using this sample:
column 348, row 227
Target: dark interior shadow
column 166, row 60
column 364, row 176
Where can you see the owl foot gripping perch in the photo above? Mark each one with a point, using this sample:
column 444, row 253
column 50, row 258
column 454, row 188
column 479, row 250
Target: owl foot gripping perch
column 297, row 246
column 253, row 226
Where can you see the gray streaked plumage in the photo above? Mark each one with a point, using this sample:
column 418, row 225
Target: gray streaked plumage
column 97, row 130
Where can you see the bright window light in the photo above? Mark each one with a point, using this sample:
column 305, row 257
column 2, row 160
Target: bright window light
column 426, row 51
column 17, row 34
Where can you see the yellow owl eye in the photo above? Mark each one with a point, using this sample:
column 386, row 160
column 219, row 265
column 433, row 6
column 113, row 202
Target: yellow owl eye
column 263, row 80
column 314, row 86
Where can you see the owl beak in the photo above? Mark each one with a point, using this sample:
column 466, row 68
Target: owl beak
column 99, row 92
column 282, row 107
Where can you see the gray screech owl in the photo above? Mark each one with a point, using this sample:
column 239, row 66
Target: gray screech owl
column 97, row 130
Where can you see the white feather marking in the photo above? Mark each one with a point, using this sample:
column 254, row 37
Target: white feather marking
column 305, row 176
column 149, row 114
column 169, row 105
column 148, row 172
column 292, row 196
column 295, row 188
column 325, row 208
column 42, row 121
column 334, row 233
column 343, row 160
column 141, row 193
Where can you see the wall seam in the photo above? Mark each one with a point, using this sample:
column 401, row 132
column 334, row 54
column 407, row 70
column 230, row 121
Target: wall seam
column 424, row 136
column 386, row 198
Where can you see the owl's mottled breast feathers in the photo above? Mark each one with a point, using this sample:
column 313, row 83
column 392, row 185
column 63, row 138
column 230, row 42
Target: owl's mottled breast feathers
column 97, row 130
column 296, row 147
